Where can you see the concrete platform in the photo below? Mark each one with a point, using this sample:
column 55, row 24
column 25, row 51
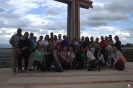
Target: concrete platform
column 106, row 78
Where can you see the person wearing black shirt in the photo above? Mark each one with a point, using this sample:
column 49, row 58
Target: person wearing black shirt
column 49, row 54
column 78, row 59
column 23, row 52
column 118, row 43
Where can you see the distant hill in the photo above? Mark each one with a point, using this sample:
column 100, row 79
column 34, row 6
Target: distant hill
column 5, row 46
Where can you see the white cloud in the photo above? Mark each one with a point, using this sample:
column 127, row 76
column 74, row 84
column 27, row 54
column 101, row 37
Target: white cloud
column 51, row 11
column 22, row 6
column 94, row 21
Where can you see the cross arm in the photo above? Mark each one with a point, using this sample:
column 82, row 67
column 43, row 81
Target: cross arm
column 64, row 1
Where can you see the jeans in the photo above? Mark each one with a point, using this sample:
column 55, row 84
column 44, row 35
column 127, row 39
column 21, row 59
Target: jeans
column 64, row 63
column 57, row 67
column 79, row 65
column 39, row 65
column 92, row 65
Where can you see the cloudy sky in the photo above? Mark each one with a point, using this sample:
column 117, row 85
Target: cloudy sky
column 43, row 16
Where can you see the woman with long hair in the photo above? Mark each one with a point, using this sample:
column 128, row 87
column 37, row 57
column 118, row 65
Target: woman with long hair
column 71, row 57
column 119, row 60
column 92, row 63
column 78, row 60
column 64, row 57
column 56, row 57
column 23, row 52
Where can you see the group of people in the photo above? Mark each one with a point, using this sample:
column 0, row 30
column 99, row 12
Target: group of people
column 54, row 53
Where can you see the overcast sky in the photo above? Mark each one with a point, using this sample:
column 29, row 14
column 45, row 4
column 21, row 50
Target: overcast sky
column 43, row 16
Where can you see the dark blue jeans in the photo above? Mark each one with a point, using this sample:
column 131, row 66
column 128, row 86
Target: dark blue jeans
column 64, row 63
column 79, row 65
column 39, row 65
column 92, row 65
column 57, row 67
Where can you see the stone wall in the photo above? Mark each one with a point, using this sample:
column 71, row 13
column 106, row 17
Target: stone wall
column 5, row 56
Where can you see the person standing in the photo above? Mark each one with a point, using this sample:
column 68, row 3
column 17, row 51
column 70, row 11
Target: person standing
column 35, row 43
column 40, row 39
column 59, row 38
column 44, row 42
column 109, row 48
column 24, row 53
column 111, row 42
column 86, row 42
column 103, row 48
column 55, row 40
column 81, row 42
column 31, row 51
column 52, row 35
column 49, row 54
column 14, row 42
column 65, row 42
column 117, row 43
column 97, row 47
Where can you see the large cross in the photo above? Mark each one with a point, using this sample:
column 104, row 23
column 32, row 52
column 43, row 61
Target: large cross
column 73, row 15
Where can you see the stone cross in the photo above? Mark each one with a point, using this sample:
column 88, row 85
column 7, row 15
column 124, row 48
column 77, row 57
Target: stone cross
column 73, row 15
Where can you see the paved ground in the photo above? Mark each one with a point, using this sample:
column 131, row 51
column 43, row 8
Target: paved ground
column 106, row 78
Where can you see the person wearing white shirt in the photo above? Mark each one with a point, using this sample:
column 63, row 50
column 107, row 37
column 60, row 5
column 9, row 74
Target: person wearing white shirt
column 71, row 56
column 44, row 42
column 109, row 48
column 59, row 38
column 40, row 39
column 91, row 60
column 100, row 58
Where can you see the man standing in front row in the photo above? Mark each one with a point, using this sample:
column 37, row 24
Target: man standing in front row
column 14, row 42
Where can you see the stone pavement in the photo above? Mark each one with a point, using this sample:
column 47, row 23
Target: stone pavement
column 106, row 78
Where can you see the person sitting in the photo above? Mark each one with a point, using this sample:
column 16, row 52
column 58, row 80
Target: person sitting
column 119, row 60
column 100, row 58
column 39, row 59
column 91, row 60
column 71, row 57
column 56, row 57
column 64, row 57
column 78, row 63
column 84, row 57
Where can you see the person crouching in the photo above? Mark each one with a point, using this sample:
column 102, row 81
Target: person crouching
column 39, row 59
column 92, row 63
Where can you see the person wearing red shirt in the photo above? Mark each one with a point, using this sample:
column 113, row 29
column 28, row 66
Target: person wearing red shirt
column 103, row 48
column 55, row 40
